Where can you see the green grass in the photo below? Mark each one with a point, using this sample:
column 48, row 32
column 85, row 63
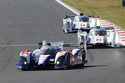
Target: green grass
column 106, row 9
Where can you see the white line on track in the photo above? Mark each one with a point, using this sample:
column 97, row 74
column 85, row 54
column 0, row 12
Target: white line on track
column 18, row 45
column 68, row 7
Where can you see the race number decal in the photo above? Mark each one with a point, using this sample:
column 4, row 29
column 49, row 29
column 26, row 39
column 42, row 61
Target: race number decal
column 98, row 39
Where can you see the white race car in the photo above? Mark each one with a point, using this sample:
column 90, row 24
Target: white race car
column 73, row 23
column 105, row 36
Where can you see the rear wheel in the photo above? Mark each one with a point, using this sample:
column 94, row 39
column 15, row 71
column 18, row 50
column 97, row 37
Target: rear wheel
column 83, row 58
column 117, row 45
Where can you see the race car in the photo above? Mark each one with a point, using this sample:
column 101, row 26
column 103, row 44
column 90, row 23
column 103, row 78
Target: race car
column 72, row 23
column 52, row 57
column 100, row 36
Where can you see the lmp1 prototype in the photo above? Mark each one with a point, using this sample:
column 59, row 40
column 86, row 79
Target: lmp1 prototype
column 105, row 36
column 51, row 55
column 73, row 23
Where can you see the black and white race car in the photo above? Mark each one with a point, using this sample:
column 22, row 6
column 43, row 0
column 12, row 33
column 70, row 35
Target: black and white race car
column 52, row 55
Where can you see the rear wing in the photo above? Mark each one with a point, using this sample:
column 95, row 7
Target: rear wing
column 108, row 28
column 88, row 29
column 61, row 44
column 72, row 16
column 85, row 29
column 58, row 44
column 92, row 15
column 71, row 45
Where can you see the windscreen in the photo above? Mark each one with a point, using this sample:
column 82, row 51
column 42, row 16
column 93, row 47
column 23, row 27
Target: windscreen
column 100, row 33
column 84, row 19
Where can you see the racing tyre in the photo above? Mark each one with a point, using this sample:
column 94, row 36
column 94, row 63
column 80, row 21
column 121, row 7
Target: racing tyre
column 25, row 65
column 67, row 61
column 117, row 45
column 83, row 58
column 65, row 31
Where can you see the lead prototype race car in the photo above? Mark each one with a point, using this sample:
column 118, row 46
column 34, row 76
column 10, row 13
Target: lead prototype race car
column 72, row 23
column 51, row 55
column 100, row 36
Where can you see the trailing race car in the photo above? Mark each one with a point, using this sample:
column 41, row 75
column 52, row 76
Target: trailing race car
column 52, row 55
column 105, row 36
column 72, row 23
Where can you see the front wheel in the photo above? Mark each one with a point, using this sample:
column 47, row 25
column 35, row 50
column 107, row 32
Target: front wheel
column 83, row 58
column 65, row 31
column 24, row 64
column 117, row 45
column 67, row 61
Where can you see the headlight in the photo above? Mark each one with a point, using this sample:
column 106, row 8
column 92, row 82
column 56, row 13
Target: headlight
column 58, row 62
column 25, row 63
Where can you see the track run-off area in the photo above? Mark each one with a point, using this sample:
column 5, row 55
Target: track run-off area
column 23, row 23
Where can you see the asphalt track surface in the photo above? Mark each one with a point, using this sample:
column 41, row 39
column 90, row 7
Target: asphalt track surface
column 31, row 21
